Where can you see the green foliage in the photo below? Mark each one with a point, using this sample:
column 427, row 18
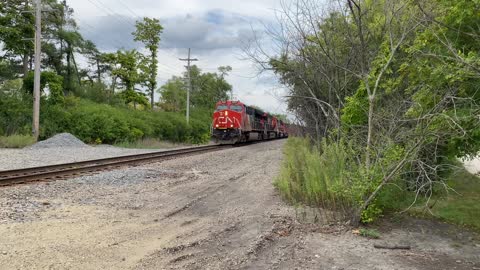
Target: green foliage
column 98, row 93
column 173, row 95
column 328, row 175
column 460, row 207
column 369, row 233
column 49, row 80
column 315, row 175
column 207, row 89
column 403, row 93
column 93, row 122
column 148, row 31
column 16, row 141
column 15, row 109
column 356, row 109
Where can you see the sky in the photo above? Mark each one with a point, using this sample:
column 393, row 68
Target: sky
column 215, row 30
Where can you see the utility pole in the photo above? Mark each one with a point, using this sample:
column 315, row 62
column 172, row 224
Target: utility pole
column 189, row 82
column 36, row 82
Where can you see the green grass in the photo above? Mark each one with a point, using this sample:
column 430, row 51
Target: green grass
column 16, row 141
column 149, row 143
column 462, row 206
column 369, row 233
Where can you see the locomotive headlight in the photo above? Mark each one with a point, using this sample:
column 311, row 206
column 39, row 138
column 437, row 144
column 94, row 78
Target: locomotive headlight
column 217, row 125
column 226, row 113
column 231, row 125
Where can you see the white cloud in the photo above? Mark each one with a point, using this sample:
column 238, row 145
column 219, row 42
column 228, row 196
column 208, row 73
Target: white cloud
column 214, row 29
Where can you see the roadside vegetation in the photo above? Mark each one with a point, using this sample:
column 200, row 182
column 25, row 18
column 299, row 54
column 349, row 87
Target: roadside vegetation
column 389, row 94
column 111, row 100
column 150, row 143
column 457, row 205
column 16, row 141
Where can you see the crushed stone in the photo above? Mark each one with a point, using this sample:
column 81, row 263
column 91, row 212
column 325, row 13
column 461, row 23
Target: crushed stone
column 60, row 140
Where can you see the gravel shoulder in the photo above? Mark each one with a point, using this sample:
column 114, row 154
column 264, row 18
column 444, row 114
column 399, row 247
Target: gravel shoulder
column 22, row 158
column 216, row 210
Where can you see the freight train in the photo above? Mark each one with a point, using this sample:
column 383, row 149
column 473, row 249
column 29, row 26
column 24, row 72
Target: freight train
column 235, row 122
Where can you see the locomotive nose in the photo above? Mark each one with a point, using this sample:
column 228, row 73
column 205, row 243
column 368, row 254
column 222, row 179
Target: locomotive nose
column 225, row 120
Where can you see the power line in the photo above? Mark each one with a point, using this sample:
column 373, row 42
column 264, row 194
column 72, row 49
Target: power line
column 131, row 11
column 119, row 17
column 114, row 16
column 118, row 44
column 106, row 10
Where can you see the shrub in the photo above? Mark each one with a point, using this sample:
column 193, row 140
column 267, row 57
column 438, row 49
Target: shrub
column 92, row 122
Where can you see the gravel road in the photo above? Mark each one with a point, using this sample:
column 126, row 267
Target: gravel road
column 211, row 211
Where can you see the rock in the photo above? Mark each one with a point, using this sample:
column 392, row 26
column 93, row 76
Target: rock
column 4, row 253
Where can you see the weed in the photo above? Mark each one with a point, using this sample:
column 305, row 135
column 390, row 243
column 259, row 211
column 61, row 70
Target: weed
column 16, row 141
column 369, row 233
column 149, row 143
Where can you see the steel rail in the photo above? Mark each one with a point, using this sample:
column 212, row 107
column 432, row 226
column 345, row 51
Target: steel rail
column 60, row 171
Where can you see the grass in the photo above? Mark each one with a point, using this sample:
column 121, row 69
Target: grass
column 369, row 233
column 16, row 141
column 462, row 206
column 149, row 143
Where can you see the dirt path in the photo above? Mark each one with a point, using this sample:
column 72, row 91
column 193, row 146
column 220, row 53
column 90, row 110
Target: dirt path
column 211, row 211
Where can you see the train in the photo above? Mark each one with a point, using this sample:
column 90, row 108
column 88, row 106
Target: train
column 235, row 122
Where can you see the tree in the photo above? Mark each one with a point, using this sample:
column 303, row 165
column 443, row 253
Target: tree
column 173, row 95
column 397, row 80
column 207, row 89
column 15, row 26
column 148, row 32
column 125, row 67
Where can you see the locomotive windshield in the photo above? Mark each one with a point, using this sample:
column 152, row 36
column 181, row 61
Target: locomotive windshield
column 236, row 108
column 221, row 108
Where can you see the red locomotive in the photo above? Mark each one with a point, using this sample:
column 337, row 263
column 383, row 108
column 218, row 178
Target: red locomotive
column 235, row 122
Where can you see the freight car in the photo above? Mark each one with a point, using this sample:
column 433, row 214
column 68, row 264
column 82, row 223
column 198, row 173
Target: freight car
column 235, row 122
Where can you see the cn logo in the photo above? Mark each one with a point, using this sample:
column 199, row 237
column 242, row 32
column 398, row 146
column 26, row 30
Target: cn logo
column 224, row 120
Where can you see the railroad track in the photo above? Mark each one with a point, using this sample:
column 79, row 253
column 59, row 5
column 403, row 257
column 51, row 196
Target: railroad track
column 75, row 169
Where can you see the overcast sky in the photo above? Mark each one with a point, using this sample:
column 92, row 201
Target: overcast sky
column 214, row 29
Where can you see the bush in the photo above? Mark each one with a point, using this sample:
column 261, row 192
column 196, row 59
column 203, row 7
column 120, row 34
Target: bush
column 16, row 141
column 92, row 122
column 98, row 122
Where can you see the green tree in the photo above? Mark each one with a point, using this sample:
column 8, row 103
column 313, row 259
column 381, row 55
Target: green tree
column 15, row 26
column 148, row 32
column 173, row 95
column 125, row 66
column 207, row 89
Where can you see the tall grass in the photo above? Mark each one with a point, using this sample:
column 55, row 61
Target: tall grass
column 16, row 141
column 316, row 175
column 151, row 143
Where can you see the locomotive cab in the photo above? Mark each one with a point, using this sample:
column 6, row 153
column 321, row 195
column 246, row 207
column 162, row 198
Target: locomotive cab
column 228, row 122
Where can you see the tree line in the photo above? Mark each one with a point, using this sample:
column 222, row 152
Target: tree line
column 389, row 90
column 122, row 78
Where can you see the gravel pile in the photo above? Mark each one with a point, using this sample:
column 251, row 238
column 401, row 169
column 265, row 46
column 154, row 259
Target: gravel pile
column 60, row 140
